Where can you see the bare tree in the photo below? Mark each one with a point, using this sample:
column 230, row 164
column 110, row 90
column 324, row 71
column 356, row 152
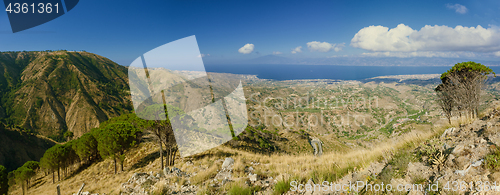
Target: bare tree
column 158, row 130
column 165, row 135
column 171, row 145
column 445, row 101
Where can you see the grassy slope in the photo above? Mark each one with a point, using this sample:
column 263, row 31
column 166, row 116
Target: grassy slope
column 99, row 177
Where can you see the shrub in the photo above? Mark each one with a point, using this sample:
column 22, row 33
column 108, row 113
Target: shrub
column 4, row 180
column 242, row 190
column 493, row 160
column 281, row 187
column 397, row 166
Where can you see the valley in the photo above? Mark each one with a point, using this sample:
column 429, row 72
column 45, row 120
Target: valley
column 363, row 127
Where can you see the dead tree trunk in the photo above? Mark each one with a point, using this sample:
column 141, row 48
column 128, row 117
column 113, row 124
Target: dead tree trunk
column 161, row 153
column 114, row 159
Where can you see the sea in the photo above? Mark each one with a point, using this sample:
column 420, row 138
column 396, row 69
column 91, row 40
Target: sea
column 296, row 72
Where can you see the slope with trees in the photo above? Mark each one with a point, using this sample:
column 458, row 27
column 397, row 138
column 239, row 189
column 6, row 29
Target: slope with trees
column 114, row 139
column 53, row 92
column 23, row 175
column 4, row 181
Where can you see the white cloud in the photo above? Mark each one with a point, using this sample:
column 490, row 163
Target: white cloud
column 297, row 49
column 337, row 56
column 277, row 53
column 428, row 38
column 324, row 46
column 420, row 54
column 497, row 53
column 458, row 8
column 246, row 49
column 203, row 55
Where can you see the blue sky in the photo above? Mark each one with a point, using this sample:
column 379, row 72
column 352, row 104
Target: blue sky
column 240, row 30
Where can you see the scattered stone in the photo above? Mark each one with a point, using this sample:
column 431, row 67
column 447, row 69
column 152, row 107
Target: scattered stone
column 87, row 193
column 418, row 169
column 223, row 175
column 488, row 125
column 225, row 180
column 495, row 138
column 375, row 168
column 228, row 164
column 449, row 160
column 477, row 163
column 448, row 131
column 458, row 149
column 175, row 170
column 166, row 171
column 495, row 177
column 252, row 177
column 317, row 146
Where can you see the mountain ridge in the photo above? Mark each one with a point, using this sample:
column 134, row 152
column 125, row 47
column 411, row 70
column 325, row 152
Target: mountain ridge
column 58, row 91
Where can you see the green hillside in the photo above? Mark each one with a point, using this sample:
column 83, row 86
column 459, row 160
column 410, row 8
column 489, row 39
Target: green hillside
column 52, row 92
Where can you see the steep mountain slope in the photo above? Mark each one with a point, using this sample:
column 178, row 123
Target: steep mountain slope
column 55, row 92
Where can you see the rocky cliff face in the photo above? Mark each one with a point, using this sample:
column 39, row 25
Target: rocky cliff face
column 54, row 92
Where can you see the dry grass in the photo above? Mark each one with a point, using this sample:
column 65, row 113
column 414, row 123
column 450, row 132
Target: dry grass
column 99, row 177
column 330, row 166
column 206, row 174
column 161, row 188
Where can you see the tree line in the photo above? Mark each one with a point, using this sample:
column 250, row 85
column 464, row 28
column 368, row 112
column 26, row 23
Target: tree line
column 460, row 89
column 112, row 139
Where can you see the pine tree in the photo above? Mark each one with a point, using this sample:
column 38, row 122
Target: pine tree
column 461, row 88
column 4, row 181
column 114, row 139
column 86, row 148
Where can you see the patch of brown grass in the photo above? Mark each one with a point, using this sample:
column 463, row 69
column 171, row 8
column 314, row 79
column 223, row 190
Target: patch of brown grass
column 205, row 175
column 99, row 177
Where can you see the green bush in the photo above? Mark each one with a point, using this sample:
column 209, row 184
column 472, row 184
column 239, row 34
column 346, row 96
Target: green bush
column 281, row 187
column 397, row 166
column 240, row 190
column 493, row 161
column 4, row 180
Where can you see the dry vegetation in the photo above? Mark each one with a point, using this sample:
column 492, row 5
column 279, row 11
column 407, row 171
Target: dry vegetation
column 331, row 166
column 294, row 162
